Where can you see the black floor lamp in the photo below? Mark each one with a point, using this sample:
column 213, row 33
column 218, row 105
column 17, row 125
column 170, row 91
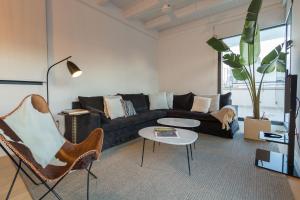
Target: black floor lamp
column 73, row 69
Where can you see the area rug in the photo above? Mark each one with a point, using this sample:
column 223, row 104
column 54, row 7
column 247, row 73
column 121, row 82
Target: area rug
column 221, row 169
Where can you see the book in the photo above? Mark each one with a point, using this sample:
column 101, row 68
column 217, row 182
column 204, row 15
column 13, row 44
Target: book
column 165, row 132
column 75, row 111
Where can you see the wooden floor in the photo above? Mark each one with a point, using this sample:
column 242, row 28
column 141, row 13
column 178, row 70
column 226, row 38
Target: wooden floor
column 20, row 192
column 7, row 172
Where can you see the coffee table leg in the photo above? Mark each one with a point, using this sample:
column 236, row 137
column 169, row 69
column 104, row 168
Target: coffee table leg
column 191, row 152
column 143, row 152
column 195, row 145
column 188, row 158
column 153, row 146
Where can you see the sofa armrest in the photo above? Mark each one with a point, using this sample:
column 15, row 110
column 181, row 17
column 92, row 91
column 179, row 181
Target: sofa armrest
column 236, row 107
column 101, row 114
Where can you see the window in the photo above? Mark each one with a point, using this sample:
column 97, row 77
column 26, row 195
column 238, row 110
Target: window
column 272, row 97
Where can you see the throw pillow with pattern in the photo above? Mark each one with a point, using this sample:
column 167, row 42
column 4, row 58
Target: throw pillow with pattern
column 128, row 108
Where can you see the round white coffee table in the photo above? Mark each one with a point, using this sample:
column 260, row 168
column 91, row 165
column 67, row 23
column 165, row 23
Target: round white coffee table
column 186, row 138
column 180, row 123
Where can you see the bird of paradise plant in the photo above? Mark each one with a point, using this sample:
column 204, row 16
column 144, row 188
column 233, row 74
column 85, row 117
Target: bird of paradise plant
column 245, row 64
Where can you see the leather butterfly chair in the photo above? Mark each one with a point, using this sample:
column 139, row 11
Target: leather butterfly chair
column 74, row 156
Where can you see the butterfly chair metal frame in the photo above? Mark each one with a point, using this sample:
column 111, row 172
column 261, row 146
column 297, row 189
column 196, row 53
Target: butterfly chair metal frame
column 78, row 156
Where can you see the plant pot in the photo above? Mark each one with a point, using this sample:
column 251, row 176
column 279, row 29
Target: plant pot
column 252, row 127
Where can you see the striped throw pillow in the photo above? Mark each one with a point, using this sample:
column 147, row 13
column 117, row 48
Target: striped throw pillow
column 128, row 108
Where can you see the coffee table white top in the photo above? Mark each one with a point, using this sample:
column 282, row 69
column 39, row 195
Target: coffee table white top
column 185, row 136
column 179, row 122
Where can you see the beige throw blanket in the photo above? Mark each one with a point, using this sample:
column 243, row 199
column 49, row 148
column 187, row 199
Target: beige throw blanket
column 226, row 115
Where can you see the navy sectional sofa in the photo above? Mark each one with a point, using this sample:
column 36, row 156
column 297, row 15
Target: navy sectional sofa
column 120, row 130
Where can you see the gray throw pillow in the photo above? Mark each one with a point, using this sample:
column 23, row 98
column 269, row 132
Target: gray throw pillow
column 128, row 108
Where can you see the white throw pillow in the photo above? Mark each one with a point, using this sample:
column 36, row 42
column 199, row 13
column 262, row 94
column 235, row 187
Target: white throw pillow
column 201, row 104
column 158, row 101
column 114, row 107
column 215, row 102
column 170, row 97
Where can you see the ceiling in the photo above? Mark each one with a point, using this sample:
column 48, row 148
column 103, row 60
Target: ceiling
column 149, row 12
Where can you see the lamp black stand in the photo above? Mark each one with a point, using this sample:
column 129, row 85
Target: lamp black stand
column 73, row 69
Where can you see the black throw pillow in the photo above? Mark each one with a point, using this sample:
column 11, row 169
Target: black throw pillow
column 183, row 102
column 92, row 102
column 138, row 100
column 225, row 99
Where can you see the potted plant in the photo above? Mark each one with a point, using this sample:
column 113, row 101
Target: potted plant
column 245, row 65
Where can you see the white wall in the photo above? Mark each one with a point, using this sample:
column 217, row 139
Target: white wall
column 114, row 54
column 114, row 57
column 23, row 49
column 22, row 39
column 186, row 63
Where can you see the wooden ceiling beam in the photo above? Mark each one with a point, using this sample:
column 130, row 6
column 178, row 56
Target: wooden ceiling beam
column 196, row 7
column 160, row 21
column 184, row 12
column 140, row 8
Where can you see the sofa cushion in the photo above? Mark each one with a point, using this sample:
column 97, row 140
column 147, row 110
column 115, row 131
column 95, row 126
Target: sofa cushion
column 158, row 101
column 114, row 107
column 119, row 123
column 96, row 102
column 191, row 115
column 138, row 100
column 225, row 99
column 215, row 102
column 128, row 108
column 170, row 97
column 183, row 102
column 201, row 104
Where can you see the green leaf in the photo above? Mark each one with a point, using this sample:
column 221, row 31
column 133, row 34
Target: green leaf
column 267, row 68
column 249, row 30
column 281, row 62
column 233, row 60
column 275, row 60
column 274, row 54
column 253, row 10
column 250, row 52
column 282, row 57
column 239, row 74
column 280, row 67
column 218, row 45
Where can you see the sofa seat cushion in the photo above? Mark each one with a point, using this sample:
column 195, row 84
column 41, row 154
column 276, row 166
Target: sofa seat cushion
column 191, row 115
column 125, row 122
